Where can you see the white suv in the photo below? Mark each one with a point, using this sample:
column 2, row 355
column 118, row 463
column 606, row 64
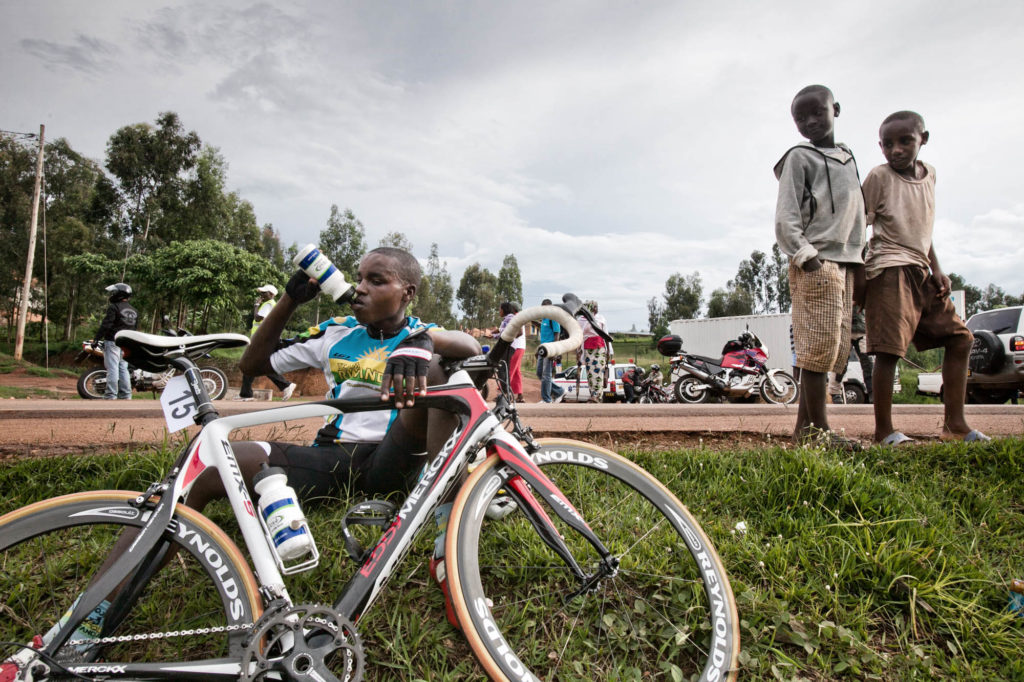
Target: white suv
column 996, row 370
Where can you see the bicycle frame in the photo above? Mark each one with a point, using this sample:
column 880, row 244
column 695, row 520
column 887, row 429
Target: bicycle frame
column 478, row 427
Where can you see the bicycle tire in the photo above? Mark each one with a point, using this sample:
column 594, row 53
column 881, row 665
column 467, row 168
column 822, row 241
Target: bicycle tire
column 92, row 384
column 51, row 549
column 216, row 382
column 655, row 619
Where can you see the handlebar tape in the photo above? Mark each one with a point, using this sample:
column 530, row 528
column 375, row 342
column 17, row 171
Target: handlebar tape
column 558, row 313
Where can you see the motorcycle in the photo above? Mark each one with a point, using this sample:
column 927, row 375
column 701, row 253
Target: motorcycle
column 740, row 374
column 92, row 383
column 648, row 390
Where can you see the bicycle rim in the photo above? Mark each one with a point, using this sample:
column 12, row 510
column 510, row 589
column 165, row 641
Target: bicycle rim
column 667, row 614
column 50, row 551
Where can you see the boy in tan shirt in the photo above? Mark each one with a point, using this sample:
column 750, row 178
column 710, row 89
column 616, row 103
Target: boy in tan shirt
column 904, row 302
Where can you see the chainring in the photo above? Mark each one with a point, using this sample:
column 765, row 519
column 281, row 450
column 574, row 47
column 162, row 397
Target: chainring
column 304, row 642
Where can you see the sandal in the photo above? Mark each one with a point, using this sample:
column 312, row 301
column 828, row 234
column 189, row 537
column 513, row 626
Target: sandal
column 896, row 438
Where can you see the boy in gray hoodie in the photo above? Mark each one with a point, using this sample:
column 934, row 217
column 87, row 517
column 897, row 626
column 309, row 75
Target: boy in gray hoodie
column 820, row 225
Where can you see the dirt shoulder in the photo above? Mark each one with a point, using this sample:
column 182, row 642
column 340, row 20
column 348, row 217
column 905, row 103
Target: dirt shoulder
column 57, row 422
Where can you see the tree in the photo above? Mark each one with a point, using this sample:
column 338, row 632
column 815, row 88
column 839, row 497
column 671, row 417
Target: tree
column 780, row 270
column 396, row 240
column 730, row 301
column 972, row 294
column 435, row 296
column 478, row 297
column 684, row 297
column 150, row 163
column 656, row 319
column 210, row 279
column 510, row 282
column 343, row 241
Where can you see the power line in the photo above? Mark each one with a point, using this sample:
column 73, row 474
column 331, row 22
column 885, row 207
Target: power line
column 14, row 133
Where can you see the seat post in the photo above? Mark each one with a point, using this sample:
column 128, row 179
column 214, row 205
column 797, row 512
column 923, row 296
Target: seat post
column 205, row 411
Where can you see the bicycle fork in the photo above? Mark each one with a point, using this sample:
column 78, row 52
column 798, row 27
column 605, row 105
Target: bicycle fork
column 527, row 478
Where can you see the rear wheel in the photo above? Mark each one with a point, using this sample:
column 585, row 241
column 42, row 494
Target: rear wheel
column 51, row 551
column 667, row 613
column 786, row 391
column 216, row 382
column 691, row 390
column 92, row 384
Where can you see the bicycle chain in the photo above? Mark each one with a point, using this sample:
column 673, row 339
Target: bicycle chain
column 116, row 639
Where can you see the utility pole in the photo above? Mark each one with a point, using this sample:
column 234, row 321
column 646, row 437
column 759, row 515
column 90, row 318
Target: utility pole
column 19, row 339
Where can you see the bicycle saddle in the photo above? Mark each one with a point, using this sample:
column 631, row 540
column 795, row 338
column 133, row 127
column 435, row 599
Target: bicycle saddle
column 154, row 353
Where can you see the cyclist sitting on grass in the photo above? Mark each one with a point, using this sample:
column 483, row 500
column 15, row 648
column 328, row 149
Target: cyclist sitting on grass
column 376, row 349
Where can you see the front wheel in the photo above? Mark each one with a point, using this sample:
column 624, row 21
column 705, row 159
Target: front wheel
column 786, row 392
column 92, row 384
column 692, row 390
column 667, row 613
column 216, row 382
column 205, row 596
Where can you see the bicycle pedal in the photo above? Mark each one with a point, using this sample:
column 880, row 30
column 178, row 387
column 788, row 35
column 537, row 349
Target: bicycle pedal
column 377, row 513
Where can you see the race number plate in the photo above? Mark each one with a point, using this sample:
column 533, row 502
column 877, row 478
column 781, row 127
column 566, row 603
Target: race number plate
column 178, row 404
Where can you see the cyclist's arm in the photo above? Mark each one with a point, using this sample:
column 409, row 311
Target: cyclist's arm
column 453, row 344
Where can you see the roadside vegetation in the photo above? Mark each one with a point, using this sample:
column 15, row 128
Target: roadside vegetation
column 887, row 564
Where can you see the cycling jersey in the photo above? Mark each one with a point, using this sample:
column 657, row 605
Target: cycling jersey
column 353, row 364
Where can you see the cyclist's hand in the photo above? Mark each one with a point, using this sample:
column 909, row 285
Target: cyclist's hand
column 406, row 370
column 301, row 288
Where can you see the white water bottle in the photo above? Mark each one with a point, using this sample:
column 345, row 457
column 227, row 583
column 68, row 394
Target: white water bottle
column 319, row 267
column 279, row 507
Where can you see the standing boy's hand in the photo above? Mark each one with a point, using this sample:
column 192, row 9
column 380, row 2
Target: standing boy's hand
column 942, row 283
column 812, row 264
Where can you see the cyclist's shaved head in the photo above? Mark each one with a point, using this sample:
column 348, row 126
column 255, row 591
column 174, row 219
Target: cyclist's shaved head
column 407, row 268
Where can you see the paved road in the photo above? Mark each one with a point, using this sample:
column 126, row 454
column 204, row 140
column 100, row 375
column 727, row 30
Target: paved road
column 49, row 426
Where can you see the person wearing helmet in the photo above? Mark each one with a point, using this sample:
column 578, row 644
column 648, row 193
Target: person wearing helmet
column 655, row 374
column 263, row 306
column 120, row 315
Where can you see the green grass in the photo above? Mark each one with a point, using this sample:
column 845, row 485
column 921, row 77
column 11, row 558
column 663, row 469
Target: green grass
column 887, row 564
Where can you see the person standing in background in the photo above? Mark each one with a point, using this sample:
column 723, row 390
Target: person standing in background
column 263, row 306
column 549, row 332
column 594, row 353
column 120, row 315
column 508, row 309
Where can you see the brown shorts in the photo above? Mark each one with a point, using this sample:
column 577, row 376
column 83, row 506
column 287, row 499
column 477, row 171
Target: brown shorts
column 902, row 306
column 822, row 313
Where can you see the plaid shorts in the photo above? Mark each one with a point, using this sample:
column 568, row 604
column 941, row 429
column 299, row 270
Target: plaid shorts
column 822, row 313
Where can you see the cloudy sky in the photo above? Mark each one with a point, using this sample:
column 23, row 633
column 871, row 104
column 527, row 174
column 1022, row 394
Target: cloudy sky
column 607, row 145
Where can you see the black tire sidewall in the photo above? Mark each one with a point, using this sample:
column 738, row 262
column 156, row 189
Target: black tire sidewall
column 987, row 353
column 86, row 381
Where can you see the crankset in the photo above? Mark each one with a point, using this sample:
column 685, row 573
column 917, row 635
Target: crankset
column 304, row 642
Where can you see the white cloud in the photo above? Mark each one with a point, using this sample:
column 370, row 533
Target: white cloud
column 607, row 145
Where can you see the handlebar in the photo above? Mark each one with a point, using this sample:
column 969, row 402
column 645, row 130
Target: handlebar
column 561, row 313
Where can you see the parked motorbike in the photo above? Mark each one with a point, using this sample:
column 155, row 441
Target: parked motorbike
column 648, row 390
column 741, row 373
column 92, row 383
